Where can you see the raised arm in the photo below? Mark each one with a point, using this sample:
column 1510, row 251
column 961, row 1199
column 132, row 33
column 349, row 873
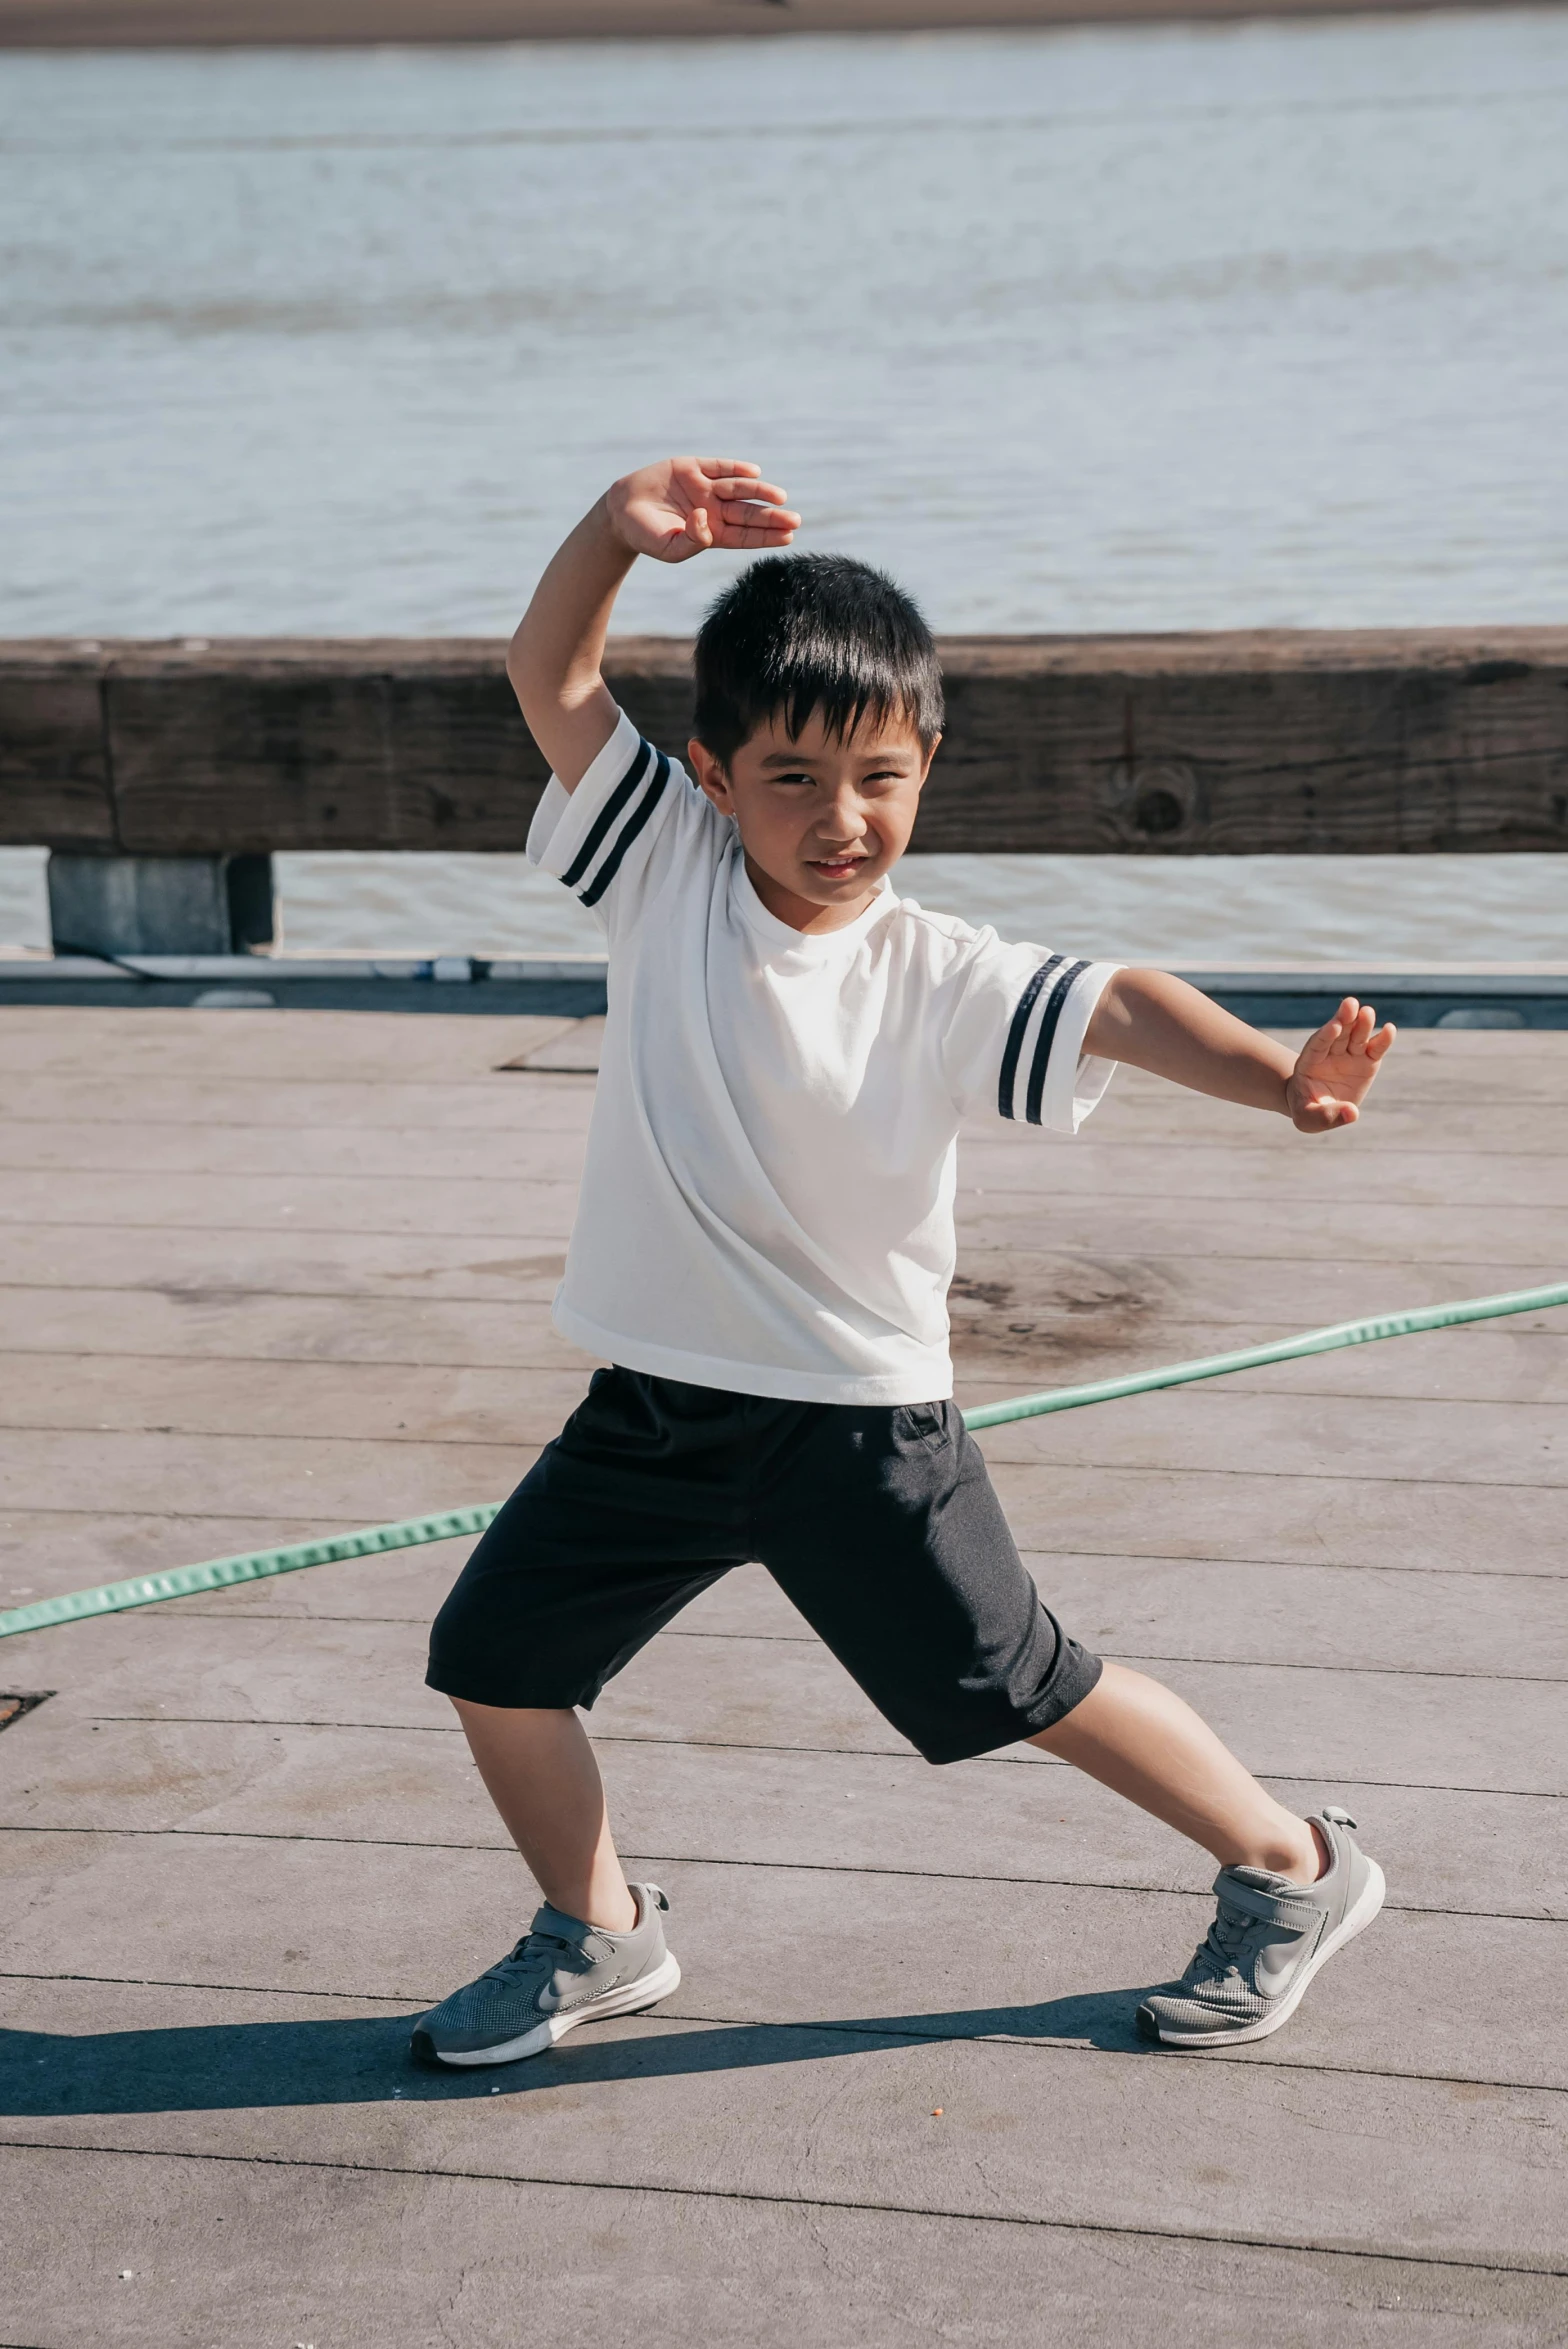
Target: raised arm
column 671, row 511
column 1158, row 1022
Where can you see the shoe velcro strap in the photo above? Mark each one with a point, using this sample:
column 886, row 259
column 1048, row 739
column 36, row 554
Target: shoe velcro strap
column 1270, row 1908
column 560, row 1927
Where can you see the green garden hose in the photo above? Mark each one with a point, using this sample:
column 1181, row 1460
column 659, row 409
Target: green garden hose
column 183, row 1582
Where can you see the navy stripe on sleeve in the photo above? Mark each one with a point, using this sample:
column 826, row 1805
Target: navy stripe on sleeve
column 1015, row 1034
column 607, row 814
column 1047, row 1037
column 629, row 831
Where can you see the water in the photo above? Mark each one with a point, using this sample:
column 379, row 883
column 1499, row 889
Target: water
column 1157, row 327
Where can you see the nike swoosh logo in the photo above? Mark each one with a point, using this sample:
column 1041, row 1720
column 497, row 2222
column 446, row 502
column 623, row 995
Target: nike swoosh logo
column 1275, row 1963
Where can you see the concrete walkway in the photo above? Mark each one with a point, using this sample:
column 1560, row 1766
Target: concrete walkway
column 268, row 1274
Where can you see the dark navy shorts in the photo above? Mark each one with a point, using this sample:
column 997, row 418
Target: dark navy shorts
column 879, row 1522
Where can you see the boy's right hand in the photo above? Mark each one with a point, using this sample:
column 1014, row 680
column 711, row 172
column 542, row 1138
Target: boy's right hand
column 684, row 505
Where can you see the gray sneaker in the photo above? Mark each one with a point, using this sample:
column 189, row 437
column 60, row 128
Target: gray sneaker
column 1264, row 1946
column 561, row 1973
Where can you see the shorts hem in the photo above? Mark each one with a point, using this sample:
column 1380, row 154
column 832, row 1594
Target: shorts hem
column 460, row 1684
column 1066, row 1695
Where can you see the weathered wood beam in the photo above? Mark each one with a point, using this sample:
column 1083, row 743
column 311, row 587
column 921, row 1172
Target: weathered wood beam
column 73, row 24
column 1281, row 742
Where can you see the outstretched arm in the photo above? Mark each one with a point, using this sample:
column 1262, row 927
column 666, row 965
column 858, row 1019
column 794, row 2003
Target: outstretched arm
column 672, row 511
column 1158, row 1022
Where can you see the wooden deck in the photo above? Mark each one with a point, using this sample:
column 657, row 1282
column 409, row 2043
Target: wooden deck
column 265, row 1274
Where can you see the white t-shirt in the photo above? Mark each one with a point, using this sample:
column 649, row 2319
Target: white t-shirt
column 767, row 1203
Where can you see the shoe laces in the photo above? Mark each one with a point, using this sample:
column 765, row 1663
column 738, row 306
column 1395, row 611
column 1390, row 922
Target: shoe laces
column 536, row 1953
column 1224, row 1946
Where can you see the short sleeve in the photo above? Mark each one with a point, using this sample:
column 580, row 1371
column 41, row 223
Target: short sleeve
column 1014, row 1044
column 627, row 817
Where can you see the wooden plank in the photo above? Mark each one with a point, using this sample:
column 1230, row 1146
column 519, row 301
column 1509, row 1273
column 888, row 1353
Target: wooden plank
column 1489, row 1362
column 393, row 2260
column 363, row 1482
column 1272, row 741
column 1015, row 1225
column 201, row 1267
column 1444, row 1852
column 1063, row 1964
column 435, row 1206
column 1130, row 2146
column 1204, row 1174
column 1413, row 1616
column 575, row 1052
column 1301, row 1436
column 1251, row 1513
column 1375, row 1231
column 54, row 764
column 1133, row 1512
column 420, row 1153
column 43, row 1552
column 1028, row 1319
column 223, row 1098
column 150, row 1324
column 1403, row 1728
column 1493, row 1362
column 1036, row 1308
column 363, row 1402
column 198, row 24
column 1210, row 1428
column 437, row 1049
column 266, row 1166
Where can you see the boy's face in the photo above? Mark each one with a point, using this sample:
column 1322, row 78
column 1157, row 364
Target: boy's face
column 820, row 820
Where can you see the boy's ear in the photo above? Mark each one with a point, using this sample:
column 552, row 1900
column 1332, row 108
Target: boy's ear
column 930, row 755
column 711, row 775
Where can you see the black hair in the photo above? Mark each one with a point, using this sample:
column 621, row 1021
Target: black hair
column 801, row 635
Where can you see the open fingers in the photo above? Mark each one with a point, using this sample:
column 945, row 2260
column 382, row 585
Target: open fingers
column 746, row 513
column 749, row 509
column 1331, row 1031
column 1377, row 1045
column 744, row 535
column 727, row 478
column 757, row 493
column 742, row 523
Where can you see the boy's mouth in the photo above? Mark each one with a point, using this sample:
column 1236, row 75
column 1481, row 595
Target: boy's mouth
column 836, row 868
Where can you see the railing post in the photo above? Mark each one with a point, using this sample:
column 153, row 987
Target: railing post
column 160, row 904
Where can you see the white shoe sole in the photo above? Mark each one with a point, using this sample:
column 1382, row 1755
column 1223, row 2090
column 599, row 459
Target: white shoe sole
column 1356, row 1921
column 627, row 1999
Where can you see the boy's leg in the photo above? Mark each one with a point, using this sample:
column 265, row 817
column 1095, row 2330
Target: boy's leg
column 540, row 1772
column 623, row 1520
column 1138, row 1738
column 883, row 1528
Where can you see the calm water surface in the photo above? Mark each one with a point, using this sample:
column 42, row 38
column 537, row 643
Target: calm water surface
column 1163, row 327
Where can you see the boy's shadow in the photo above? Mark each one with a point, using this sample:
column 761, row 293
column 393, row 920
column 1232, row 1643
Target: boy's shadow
column 215, row 2067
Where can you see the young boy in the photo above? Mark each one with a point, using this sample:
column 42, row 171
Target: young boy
column 763, row 1249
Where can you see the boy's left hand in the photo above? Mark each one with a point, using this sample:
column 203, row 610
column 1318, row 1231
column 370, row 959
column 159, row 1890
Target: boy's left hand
column 1335, row 1068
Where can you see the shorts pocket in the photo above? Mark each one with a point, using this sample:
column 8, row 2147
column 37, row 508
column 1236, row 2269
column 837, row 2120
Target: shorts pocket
column 924, row 1423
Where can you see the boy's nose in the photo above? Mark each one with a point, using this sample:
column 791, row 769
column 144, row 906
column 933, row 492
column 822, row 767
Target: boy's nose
column 842, row 824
